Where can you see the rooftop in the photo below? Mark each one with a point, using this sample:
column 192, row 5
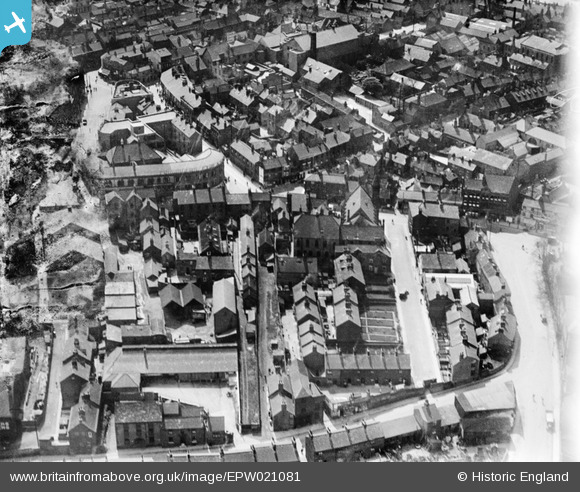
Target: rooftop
column 494, row 396
column 171, row 359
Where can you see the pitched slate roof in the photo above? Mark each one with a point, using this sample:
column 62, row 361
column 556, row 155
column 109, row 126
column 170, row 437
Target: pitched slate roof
column 141, row 153
column 191, row 293
column 170, row 359
column 359, row 207
column 83, row 415
column 499, row 184
column 224, row 295
column 316, row 226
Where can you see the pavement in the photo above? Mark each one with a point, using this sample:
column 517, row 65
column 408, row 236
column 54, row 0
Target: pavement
column 416, row 330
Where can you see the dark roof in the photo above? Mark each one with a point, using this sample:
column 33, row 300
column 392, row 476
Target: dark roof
column 365, row 233
column 5, row 406
column 289, row 264
column 431, row 99
column 138, row 152
column 285, row 453
column 392, row 66
column 348, row 267
column 85, row 415
column 189, row 294
column 129, row 412
column 335, row 362
column 438, row 261
column 346, row 437
column 316, row 226
column 217, row 423
column 498, row 422
column 73, row 367
column 91, row 393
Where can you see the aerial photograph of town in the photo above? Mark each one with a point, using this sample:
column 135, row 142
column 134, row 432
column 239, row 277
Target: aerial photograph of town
column 287, row 231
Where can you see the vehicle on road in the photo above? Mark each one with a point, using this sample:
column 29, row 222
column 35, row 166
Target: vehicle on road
column 550, row 423
column 84, row 122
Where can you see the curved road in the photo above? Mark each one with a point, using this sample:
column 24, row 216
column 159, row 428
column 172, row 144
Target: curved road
column 536, row 372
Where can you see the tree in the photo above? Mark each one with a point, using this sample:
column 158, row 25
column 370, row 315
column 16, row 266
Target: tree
column 372, row 85
column 20, row 258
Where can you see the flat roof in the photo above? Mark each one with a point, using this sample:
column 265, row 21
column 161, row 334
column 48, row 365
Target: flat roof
column 119, row 288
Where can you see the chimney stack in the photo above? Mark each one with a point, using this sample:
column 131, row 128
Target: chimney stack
column 313, row 47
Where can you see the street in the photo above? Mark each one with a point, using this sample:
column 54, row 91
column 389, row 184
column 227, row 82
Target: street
column 86, row 141
column 416, row 329
column 536, row 372
column 266, row 323
column 363, row 111
column 236, row 181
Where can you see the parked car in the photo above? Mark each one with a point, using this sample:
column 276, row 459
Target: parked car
column 550, row 423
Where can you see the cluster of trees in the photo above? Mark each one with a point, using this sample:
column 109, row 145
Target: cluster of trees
column 372, row 86
column 20, row 259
